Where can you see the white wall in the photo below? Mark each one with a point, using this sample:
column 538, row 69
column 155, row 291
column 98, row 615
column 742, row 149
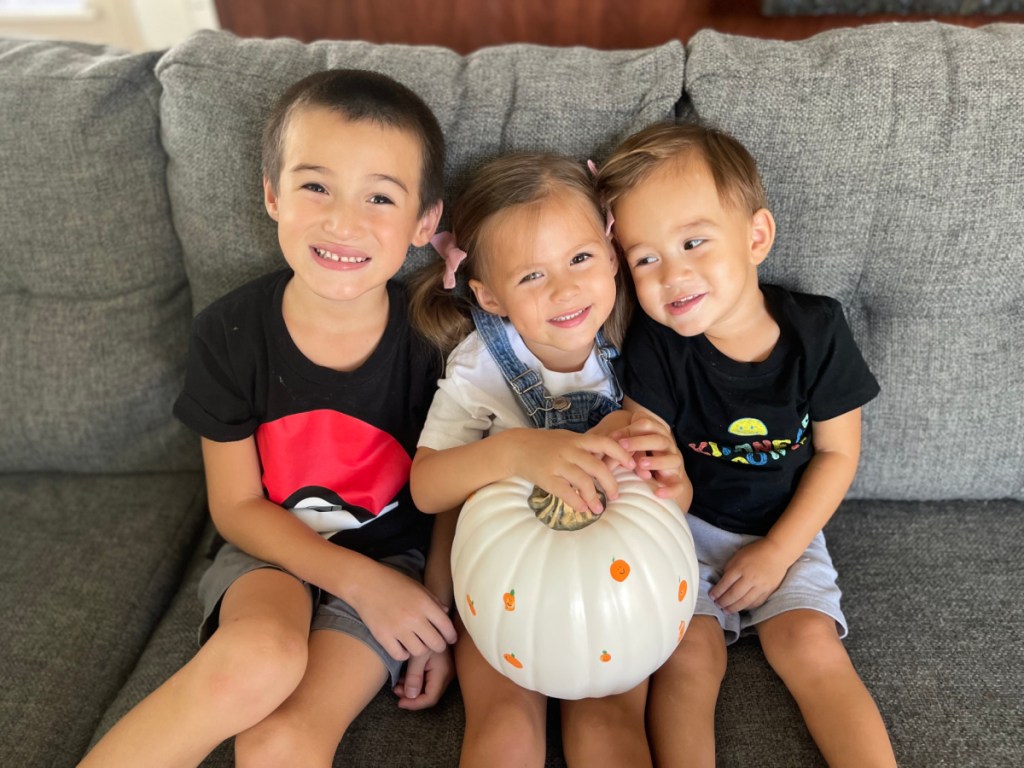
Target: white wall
column 136, row 25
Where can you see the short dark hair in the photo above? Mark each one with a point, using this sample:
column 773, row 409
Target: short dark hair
column 360, row 95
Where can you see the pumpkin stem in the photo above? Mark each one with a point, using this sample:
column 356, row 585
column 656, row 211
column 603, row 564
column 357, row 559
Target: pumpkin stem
column 558, row 515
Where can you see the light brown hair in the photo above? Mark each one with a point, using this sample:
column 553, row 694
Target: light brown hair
column 510, row 181
column 732, row 166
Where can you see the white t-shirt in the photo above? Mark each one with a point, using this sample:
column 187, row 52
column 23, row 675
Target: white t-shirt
column 473, row 400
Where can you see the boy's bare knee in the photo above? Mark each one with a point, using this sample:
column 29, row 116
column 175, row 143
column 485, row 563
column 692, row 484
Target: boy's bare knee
column 277, row 742
column 802, row 643
column 254, row 668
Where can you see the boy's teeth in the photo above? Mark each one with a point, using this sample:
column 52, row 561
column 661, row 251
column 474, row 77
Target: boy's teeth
column 335, row 257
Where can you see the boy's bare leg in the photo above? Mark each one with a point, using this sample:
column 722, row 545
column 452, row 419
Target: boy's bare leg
column 684, row 691
column 804, row 649
column 607, row 731
column 342, row 676
column 505, row 724
column 249, row 666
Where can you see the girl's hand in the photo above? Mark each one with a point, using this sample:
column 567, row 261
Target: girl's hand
column 404, row 617
column 567, row 464
column 426, row 678
column 751, row 576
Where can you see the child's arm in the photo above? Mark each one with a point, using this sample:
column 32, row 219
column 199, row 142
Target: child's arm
column 566, row 464
column 400, row 613
column 653, row 446
column 427, row 677
column 756, row 570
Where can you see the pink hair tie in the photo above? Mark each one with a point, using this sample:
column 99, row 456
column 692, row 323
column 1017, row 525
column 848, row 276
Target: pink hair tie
column 444, row 244
column 608, row 218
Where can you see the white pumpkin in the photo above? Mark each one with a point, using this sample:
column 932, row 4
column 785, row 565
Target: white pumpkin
column 574, row 613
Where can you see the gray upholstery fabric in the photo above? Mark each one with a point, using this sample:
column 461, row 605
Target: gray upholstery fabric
column 870, row 7
column 891, row 161
column 93, row 298
column 929, row 590
column 88, row 564
column 218, row 90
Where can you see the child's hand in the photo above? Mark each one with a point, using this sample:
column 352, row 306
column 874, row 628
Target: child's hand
column 751, row 576
column 426, row 678
column 404, row 617
column 569, row 465
column 657, row 457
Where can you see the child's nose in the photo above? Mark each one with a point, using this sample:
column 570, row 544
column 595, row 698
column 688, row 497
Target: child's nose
column 343, row 218
column 565, row 288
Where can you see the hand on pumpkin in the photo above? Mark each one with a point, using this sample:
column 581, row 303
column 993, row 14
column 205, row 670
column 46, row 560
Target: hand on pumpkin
column 751, row 576
column 656, row 454
column 404, row 617
column 569, row 465
column 426, row 677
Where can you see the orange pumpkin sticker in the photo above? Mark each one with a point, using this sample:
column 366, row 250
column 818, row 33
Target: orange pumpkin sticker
column 469, row 601
column 511, row 659
column 509, row 598
column 682, row 590
column 605, row 656
column 619, row 570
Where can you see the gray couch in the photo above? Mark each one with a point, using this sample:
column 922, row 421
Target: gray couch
column 130, row 199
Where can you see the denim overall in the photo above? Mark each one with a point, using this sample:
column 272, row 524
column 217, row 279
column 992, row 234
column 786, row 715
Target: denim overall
column 575, row 411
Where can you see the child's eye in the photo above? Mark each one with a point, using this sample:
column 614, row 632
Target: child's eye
column 314, row 187
column 380, row 200
column 644, row 260
column 531, row 277
column 689, row 245
column 579, row 258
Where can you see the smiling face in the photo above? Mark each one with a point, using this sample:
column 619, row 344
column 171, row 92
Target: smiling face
column 550, row 269
column 347, row 204
column 693, row 256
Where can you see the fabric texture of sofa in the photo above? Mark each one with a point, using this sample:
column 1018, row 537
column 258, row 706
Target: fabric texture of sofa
column 131, row 199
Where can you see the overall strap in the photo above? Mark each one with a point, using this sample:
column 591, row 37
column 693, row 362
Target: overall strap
column 526, row 384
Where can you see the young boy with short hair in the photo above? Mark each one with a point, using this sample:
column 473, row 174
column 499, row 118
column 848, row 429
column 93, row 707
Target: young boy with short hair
column 763, row 388
column 309, row 390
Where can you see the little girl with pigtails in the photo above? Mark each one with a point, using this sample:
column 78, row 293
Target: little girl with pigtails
column 531, row 344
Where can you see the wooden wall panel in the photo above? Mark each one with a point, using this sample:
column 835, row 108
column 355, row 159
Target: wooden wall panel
column 465, row 25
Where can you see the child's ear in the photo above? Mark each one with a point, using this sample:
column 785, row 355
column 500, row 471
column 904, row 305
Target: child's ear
column 270, row 199
column 762, row 235
column 428, row 224
column 487, row 300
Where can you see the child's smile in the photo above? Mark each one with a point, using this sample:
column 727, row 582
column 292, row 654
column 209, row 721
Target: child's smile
column 347, row 204
column 552, row 273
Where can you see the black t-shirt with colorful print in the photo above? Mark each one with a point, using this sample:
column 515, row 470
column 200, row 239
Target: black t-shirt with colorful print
column 745, row 429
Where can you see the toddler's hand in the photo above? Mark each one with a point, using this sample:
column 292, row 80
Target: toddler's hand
column 751, row 576
column 404, row 617
column 426, row 678
column 568, row 464
column 657, row 457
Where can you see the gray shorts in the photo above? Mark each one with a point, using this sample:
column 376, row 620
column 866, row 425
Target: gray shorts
column 809, row 583
column 329, row 612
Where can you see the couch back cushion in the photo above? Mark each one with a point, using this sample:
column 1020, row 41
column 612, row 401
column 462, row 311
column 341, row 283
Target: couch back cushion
column 94, row 302
column 218, row 89
column 891, row 158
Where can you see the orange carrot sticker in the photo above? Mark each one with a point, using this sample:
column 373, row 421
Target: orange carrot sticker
column 469, row 601
column 619, row 570
column 682, row 631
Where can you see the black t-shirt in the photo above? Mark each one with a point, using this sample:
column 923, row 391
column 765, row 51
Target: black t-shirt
column 335, row 447
column 745, row 429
